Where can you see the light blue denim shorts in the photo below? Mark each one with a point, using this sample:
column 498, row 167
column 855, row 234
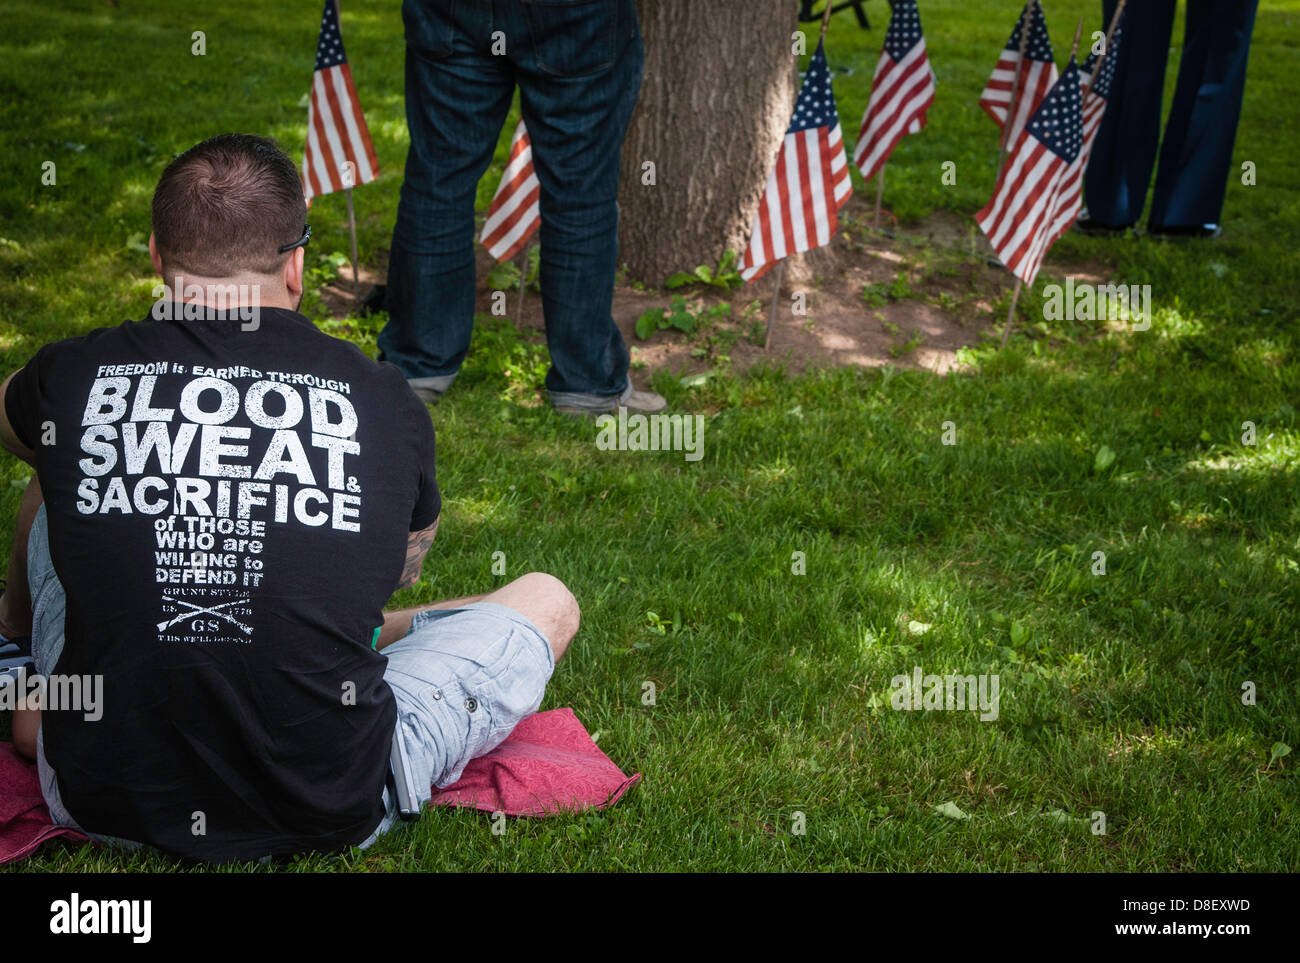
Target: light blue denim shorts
column 462, row 680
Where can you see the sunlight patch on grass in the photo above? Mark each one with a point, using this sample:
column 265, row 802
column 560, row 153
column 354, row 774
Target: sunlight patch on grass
column 1261, row 352
column 485, row 509
column 775, row 471
column 1271, row 452
column 1171, row 323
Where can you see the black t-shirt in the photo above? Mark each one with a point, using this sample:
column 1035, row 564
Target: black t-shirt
column 228, row 513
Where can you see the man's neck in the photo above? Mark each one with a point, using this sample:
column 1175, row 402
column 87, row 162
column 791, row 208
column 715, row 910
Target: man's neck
column 227, row 294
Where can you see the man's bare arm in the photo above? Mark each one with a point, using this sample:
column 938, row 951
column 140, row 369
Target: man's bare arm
column 7, row 437
column 417, row 547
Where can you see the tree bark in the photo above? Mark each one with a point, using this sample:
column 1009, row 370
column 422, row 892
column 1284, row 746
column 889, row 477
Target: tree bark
column 720, row 82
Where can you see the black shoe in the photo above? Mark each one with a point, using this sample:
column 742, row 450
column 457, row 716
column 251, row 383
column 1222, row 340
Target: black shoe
column 1189, row 232
column 1091, row 227
column 376, row 300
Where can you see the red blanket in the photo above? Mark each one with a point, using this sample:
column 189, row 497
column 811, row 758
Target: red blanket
column 548, row 765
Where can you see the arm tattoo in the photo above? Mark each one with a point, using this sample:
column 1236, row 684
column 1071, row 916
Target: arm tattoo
column 417, row 547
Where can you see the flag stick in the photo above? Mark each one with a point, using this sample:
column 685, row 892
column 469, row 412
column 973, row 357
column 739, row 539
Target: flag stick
column 826, row 19
column 352, row 228
column 1078, row 32
column 880, row 176
column 776, row 297
column 352, row 217
column 1110, row 32
column 1015, row 296
column 523, row 281
column 1015, row 89
column 880, row 194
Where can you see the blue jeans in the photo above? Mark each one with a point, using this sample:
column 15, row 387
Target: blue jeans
column 1196, row 156
column 578, row 67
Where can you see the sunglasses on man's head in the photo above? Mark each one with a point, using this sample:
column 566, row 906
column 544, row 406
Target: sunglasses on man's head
column 301, row 242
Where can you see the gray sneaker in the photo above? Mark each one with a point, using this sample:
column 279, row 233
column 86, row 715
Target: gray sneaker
column 428, row 396
column 431, row 389
column 645, row 402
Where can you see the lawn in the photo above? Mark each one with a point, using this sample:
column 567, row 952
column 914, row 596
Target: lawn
column 770, row 743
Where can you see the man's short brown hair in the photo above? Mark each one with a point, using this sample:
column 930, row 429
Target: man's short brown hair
column 226, row 206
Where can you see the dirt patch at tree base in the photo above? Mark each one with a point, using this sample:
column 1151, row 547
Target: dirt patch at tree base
column 912, row 300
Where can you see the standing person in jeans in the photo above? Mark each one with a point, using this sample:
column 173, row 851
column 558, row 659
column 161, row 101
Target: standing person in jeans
column 1196, row 157
column 578, row 67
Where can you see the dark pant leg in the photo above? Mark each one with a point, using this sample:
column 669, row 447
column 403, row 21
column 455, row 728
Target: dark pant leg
column 457, row 97
column 1119, row 168
column 579, row 73
column 1196, row 156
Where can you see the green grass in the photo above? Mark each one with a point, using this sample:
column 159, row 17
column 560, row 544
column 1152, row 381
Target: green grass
column 1120, row 692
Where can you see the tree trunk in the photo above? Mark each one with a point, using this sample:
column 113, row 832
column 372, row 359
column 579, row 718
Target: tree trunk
column 720, row 82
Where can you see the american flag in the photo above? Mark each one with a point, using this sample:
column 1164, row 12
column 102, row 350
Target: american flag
column 1018, row 219
column 901, row 91
column 339, row 153
column 1096, row 92
column 515, row 212
column 1036, row 76
column 810, row 183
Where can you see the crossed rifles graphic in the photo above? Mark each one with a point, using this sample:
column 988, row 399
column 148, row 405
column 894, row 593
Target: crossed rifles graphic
column 201, row 610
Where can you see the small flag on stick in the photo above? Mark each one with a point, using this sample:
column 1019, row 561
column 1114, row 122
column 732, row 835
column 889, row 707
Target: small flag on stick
column 1018, row 219
column 901, row 91
column 515, row 212
column 810, row 183
column 339, row 154
column 1026, row 80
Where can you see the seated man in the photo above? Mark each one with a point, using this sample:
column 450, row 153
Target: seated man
column 225, row 498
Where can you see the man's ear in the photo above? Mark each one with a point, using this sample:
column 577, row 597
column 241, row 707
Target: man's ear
column 293, row 269
column 154, row 255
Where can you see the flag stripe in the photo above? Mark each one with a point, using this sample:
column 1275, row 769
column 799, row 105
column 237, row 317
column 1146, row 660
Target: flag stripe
column 340, row 145
column 515, row 212
column 312, row 162
column 356, row 123
column 324, row 149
